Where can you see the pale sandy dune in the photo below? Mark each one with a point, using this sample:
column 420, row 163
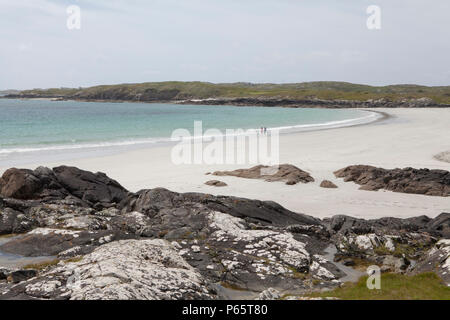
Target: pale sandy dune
column 412, row 137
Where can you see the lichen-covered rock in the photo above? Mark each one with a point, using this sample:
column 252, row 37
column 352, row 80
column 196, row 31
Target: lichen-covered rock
column 395, row 264
column 249, row 258
column 269, row 294
column 438, row 227
column 436, row 260
column 159, row 201
column 222, row 241
column 373, row 245
column 50, row 242
column 127, row 269
column 21, row 275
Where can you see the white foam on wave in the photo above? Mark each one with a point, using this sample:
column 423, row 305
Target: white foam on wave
column 96, row 145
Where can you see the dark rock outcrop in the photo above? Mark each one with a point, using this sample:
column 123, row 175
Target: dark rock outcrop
column 408, row 180
column 44, row 183
column 131, row 270
column 438, row 227
column 319, row 103
column 436, row 260
column 21, row 275
column 284, row 172
column 19, row 184
column 13, row 221
column 155, row 201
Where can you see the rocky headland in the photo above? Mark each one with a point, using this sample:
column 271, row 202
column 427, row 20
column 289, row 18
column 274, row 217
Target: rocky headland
column 320, row 94
column 104, row 242
column 170, row 96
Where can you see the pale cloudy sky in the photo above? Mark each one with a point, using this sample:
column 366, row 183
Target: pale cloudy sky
column 223, row 41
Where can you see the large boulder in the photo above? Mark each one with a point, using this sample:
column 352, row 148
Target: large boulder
column 59, row 183
column 19, row 184
column 50, row 242
column 436, row 260
column 90, row 187
column 407, row 180
column 377, row 240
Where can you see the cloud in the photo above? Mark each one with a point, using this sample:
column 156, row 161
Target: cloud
column 222, row 41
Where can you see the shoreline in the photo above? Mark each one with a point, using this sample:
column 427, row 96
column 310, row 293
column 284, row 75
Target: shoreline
column 261, row 102
column 115, row 146
column 410, row 138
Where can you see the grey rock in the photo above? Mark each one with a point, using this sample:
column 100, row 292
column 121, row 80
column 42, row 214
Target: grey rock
column 395, row 264
column 121, row 270
column 50, row 242
column 407, row 180
column 154, row 201
column 12, row 221
column 269, row 294
column 440, row 225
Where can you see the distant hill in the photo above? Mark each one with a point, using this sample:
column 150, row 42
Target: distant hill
column 6, row 92
column 170, row 91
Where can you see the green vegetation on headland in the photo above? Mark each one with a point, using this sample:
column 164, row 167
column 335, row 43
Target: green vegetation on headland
column 425, row 286
column 172, row 91
column 6, row 92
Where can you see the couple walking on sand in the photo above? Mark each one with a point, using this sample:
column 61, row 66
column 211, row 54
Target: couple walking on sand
column 263, row 130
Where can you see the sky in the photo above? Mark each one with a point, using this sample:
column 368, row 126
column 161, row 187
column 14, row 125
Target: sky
column 276, row 41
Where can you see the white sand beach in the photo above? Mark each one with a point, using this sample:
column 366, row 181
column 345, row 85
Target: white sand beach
column 409, row 138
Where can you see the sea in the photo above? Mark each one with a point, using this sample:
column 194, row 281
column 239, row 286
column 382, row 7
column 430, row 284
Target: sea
column 31, row 129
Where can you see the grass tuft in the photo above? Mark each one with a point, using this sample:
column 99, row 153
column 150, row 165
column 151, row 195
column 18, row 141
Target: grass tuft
column 424, row 286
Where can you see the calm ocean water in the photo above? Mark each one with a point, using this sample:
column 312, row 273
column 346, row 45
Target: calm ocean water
column 28, row 126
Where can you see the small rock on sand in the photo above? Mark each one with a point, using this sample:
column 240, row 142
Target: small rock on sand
column 216, row 183
column 328, row 184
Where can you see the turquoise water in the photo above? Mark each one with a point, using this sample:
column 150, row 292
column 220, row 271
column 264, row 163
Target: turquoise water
column 39, row 125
